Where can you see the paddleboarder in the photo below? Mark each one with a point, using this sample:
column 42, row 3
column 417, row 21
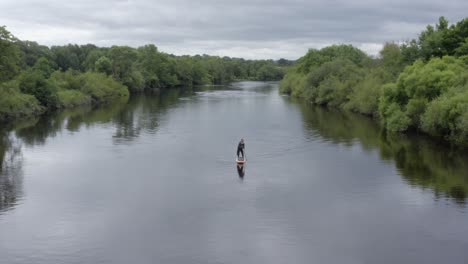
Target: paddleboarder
column 240, row 149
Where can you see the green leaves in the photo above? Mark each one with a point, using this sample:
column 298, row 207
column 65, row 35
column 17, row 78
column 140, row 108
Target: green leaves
column 14, row 104
column 448, row 116
column 9, row 55
column 418, row 86
column 326, row 76
column 412, row 86
column 104, row 65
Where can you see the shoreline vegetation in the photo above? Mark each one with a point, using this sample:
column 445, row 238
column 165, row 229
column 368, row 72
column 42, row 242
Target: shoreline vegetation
column 420, row 85
column 35, row 79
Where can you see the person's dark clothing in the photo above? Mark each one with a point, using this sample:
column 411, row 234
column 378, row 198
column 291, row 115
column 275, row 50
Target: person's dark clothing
column 240, row 149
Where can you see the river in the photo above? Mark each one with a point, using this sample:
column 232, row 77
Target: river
column 154, row 180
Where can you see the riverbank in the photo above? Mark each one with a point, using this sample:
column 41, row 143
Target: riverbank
column 56, row 93
column 420, row 85
column 35, row 79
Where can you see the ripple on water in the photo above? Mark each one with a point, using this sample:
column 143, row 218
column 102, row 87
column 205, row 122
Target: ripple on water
column 227, row 94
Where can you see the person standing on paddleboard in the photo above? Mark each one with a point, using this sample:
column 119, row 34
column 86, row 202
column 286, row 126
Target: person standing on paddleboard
column 240, row 148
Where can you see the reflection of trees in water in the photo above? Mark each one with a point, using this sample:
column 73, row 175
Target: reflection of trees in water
column 142, row 113
column 11, row 181
column 429, row 164
column 39, row 130
column 130, row 118
column 422, row 162
column 47, row 126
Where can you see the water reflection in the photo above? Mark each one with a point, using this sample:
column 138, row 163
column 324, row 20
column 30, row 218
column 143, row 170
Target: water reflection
column 142, row 113
column 11, row 178
column 128, row 119
column 422, row 162
column 240, row 171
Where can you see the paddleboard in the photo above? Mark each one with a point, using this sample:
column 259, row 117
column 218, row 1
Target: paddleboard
column 241, row 161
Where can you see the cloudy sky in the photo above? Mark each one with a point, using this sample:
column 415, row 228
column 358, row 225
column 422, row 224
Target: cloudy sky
column 242, row 28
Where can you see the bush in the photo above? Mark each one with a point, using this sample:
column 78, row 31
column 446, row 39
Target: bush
column 365, row 96
column 293, row 84
column 332, row 82
column 103, row 65
column 34, row 83
column 429, row 80
column 418, row 85
column 448, row 116
column 69, row 80
column 396, row 119
column 102, row 88
column 14, row 104
column 315, row 58
column 72, row 98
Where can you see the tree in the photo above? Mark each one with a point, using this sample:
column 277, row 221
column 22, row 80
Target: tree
column 44, row 66
column 66, row 57
column 122, row 58
column 32, row 51
column 34, row 83
column 89, row 62
column 392, row 59
column 9, row 55
column 418, row 85
column 104, row 65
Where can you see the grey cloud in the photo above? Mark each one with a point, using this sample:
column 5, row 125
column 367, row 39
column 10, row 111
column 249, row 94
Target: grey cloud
column 252, row 29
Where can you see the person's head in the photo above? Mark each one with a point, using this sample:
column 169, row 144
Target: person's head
column 242, row 140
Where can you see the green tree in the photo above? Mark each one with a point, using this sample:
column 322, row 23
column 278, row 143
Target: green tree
column 66, row 57
column 418, row 85
column 122, row 61
column 44, row 66
column 9, row 55
column 34, row 83
column 104, row 65
column 392, row 59
column 89, row 62
column 32, row 51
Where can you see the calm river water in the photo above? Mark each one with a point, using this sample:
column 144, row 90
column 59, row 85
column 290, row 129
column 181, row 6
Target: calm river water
column 154, row 180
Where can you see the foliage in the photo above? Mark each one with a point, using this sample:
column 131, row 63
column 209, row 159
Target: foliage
column 365, row 95
column 293, row 83
column 14, row 104
column 74, row 75
column 102, row 88
column 332, row 82
column 438, row 41
column 392, row 59
column 31, row 52
column 326, row 76
column 103, row 65
column 9, row 55
column 448, row 116
column 418, row 85
column 315, row 58
column 72, row 98
column 33, row 82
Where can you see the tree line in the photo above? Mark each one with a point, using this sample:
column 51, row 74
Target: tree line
column 417, row 85
column 35, row 78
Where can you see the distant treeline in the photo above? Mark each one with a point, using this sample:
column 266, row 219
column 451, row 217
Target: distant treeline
column 36, row 78
column 421, row 84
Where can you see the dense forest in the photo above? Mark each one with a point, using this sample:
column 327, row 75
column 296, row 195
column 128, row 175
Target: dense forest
column 36, row 78
column 418, row 85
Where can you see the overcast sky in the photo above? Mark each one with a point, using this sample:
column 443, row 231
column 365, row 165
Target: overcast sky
column 244, row 28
